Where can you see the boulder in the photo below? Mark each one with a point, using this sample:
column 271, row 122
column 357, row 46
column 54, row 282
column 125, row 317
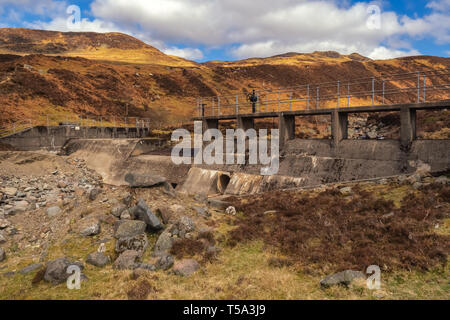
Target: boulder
column 129, row 228
column 117, row 211
column 125, row 215
column 137, row 243
column 53, row 211
column 185, row 225
column 163, row 244
column 89, row 227
column 442, row 180
column 98, row 259
column 2, row 238
column 218, row 204
column 164, row 262
column 345, row 191
column 128, row 260
column 30, row 268
column 56, row 270
column 145, row 214
column 165, row 214
column 4, row 223
column 93, row 193
column 9, row 191
column 20, row 206
column 144, row 180
column 127, row 198
column 341, row 278
column 202, row 211
column 185, row 267
column 2, row 255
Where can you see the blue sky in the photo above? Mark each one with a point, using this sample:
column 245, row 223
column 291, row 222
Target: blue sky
column 204, row 30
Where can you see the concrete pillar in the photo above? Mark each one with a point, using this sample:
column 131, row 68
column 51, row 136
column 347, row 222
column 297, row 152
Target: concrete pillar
column 210, row 124
column 407, row 126
column 286, row 125
column 339, row 126
column 245, row 123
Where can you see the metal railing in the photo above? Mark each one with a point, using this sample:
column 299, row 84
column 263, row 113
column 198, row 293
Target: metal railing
column 413, row 87
column 74, row 120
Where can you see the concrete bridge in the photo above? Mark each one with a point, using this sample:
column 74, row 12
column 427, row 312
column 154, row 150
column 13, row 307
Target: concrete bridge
column 338, row 119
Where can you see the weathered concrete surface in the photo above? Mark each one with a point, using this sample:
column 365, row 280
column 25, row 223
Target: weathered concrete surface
column 54, row 137
column 199, row 180
column 113, row 159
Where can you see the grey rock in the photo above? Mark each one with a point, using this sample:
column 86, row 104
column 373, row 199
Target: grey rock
column 30, row 268
column 146, row 215
column 165, row 262
column 185, row 267
column 165, row 214
column 163, row 244
column 117, row 211
column 137, row 243
column 202, row 211
column 98, row 259
column 345, row 191
column 128, row 260
column 53, row 211
column 442, row 180
column 2, row 255
column 185, row 224
column 417, row 185
column 4, row 224
column 144, row 181
column 56, row 270
column 129, row 229
column 89, row 227
column 201, row 197
column 146, row 266
column 218, row 204
column 125, row 215
column 93, row 193
column 341, row 278
column 2, row 238
column 127, row 198
column 9, row 191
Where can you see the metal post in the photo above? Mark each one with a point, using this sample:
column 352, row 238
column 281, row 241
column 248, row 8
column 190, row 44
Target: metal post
column 317, row 98
column 258, row 103
column 279, row 97
column 373, row 91
column 338, row 92
column 213, row 105
column 47, row 121
column 237, row 104
column 114, row 122
column 383, row 92
column 267, row 102
column 418, row 87
column 202, row 111
column 307, row 97
column 424, row 88
column 101, row 121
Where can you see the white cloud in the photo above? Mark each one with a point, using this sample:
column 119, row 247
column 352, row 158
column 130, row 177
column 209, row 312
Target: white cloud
column 269, row 27
column 187, row 53
column 256, row 28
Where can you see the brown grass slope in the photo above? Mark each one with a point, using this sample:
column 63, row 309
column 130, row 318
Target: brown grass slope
column 113, row 74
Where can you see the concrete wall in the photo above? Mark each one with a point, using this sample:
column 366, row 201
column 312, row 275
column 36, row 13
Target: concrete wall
column 53, row 138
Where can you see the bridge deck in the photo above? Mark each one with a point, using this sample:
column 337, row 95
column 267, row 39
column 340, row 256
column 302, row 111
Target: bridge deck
column 314, row 112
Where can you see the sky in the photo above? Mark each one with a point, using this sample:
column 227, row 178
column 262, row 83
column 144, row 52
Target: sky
column 203, row 30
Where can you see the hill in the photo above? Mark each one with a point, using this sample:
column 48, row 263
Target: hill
column 116, row 75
